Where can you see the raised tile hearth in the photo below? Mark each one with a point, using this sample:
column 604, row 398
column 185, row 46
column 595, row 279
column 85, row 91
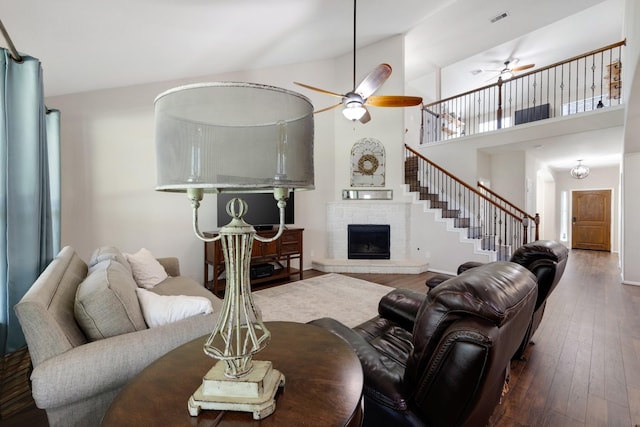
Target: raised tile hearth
column 395, row 214
column 375, row 266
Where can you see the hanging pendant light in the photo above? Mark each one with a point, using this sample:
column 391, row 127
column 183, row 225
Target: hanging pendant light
column 580, row 171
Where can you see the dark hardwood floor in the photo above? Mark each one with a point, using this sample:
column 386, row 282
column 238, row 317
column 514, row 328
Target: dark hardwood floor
column 584, row 369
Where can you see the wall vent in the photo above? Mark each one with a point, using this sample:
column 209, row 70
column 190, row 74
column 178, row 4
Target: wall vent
column 499, row 17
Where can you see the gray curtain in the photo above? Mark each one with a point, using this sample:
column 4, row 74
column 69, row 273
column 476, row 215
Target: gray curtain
column 29, row 187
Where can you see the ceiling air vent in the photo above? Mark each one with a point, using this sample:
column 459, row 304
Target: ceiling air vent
column 499, row 17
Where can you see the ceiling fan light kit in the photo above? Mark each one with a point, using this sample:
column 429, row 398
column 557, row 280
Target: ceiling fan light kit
column 355, row 102
column 353, row 110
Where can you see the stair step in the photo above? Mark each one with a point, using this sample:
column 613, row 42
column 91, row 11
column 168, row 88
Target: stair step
column 411, row 163
column 437, row 204
column 487, row 242
column 415, row 187
column 462, row 222
column 425, row 195
column 450, row 213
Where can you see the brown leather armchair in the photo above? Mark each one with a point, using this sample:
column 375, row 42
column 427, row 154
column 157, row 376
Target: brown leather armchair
column 441, row 359
column 546, row 259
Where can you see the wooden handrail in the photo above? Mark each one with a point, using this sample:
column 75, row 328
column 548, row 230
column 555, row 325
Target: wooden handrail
column 455, row 178
column 535, row 218
column 575, row 58
column 507, row 210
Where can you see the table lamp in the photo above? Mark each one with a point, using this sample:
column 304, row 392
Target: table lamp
column 235, row 137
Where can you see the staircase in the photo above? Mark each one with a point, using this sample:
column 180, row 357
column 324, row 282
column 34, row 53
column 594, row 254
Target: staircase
column 493, row 225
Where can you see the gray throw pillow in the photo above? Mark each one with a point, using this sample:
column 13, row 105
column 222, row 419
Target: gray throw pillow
column 104, row 253
column 106, row 303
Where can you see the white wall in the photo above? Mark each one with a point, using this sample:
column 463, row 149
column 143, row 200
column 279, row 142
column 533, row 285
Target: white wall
column 631, row 227
column 108, row 160
column 435, row 240
column 108, row 171
column 631, row 159
column 546, row 205
column 508, row 176
column 458, row 157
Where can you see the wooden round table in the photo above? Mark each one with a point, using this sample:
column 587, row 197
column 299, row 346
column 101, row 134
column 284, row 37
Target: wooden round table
column 323, row 384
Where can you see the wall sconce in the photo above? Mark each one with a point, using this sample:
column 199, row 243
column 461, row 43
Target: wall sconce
column 580, row 171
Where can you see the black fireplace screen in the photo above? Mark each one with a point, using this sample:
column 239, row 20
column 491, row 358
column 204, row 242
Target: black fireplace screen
column 369, row 241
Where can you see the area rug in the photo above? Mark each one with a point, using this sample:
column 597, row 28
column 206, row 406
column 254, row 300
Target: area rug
column 349, row 300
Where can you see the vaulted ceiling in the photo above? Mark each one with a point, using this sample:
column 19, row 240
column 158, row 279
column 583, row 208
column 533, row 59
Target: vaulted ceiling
column 87, row 45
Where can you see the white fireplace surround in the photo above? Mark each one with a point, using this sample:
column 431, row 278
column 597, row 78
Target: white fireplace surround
column 340, row 215
column 396, row 214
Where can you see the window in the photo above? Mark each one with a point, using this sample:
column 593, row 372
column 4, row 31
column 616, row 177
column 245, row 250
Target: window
column 493, row 125
column 582, row 105
column 564, row 215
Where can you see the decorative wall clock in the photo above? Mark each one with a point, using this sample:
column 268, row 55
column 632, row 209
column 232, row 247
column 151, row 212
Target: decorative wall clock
column 367, row 163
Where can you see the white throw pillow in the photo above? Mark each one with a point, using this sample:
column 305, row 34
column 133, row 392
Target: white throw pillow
column 146, row 269
column 159, row 310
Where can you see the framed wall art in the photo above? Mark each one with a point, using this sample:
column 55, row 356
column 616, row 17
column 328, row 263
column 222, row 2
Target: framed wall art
column 367, row 163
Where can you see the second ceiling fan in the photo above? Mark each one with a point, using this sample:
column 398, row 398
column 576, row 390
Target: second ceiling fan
column 356, row 101
column 508, row 71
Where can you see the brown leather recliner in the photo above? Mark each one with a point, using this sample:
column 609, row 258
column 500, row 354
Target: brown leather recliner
column 441, row 359
column 546, row 259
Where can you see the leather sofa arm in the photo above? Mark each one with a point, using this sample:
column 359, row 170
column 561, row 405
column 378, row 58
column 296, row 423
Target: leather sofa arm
column 108, row 364
column 468, row 266
column 383, row 378
column 401, row 306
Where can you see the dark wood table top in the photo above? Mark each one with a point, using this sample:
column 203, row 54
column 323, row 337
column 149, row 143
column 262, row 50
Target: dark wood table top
column 323, row 384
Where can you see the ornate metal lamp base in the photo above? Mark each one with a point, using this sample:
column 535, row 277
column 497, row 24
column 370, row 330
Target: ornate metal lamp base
column 254, row 392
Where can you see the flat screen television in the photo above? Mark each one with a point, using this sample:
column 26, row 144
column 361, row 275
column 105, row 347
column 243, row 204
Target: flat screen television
column 263, row 210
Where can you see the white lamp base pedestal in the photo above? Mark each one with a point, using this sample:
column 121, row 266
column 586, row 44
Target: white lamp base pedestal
column 254, row 392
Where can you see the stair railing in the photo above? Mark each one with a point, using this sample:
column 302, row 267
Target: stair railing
column 583, row 83
column 507, row 205
column 498, row 229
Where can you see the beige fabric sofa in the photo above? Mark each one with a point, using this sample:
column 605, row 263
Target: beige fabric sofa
column 75, row 377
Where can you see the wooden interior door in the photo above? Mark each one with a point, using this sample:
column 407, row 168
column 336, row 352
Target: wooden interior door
column 591, row 220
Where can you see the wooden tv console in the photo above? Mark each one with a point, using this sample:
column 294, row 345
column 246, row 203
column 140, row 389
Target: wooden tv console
column 279, row 253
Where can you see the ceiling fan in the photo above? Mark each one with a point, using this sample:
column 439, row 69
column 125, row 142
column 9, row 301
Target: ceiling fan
column 356, row 101
column 507, row 72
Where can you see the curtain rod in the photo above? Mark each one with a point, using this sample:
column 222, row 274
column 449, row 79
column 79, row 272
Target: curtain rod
column 14, row 53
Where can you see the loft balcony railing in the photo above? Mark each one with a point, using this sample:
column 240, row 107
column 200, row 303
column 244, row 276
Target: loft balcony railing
column 582, row 83
column 499, row 226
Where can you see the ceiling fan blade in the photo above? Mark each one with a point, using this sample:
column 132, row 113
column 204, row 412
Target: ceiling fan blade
column 326, row 92
column 366, row 117
column 522, row 68
column 374, row 80
column 393, row 101
column 328, row 108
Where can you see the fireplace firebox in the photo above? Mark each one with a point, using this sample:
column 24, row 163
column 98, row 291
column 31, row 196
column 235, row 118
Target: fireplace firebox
column 369, row 241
